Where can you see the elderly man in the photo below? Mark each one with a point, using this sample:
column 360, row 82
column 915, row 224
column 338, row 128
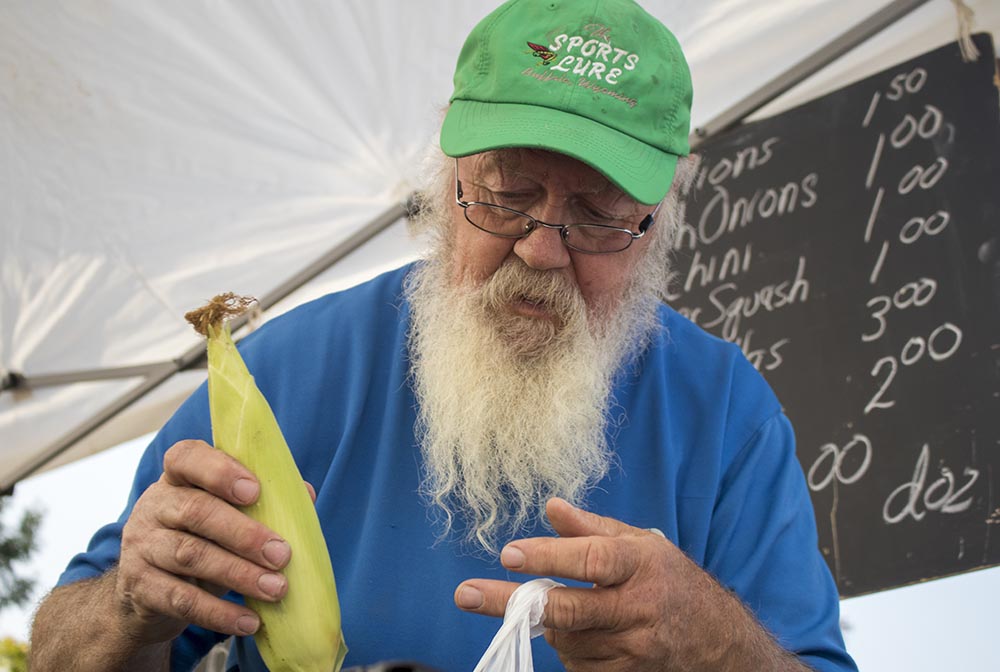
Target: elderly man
column 520, row 403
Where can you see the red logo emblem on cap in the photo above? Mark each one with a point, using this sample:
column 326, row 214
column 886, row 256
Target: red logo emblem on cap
column 542, row 53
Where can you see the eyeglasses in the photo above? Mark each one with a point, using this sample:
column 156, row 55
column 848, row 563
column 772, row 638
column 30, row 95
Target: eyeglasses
column 505, row 222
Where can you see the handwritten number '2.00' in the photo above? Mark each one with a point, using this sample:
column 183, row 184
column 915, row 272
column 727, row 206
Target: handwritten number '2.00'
column 912, row 352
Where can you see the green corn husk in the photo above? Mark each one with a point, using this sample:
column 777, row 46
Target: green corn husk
column 302, row 632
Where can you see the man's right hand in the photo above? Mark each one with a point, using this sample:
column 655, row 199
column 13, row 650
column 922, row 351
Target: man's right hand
column 186, row 543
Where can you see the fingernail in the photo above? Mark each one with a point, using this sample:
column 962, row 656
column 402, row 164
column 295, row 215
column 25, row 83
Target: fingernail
column 272, row 584
column 245, row 490
column 512, row 557
column 247, row 624
column 277, row 552
column 469, row 598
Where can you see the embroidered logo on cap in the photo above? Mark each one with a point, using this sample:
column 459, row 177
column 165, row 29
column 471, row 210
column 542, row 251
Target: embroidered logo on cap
column 542, row 53
column 591, row 56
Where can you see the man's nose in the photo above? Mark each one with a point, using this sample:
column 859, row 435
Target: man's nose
column 543, row 248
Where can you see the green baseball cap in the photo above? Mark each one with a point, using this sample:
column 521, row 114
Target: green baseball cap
column 601, row 81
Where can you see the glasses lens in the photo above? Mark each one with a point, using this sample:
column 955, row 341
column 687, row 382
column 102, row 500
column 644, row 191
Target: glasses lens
column 590, row 238
column 498, row 220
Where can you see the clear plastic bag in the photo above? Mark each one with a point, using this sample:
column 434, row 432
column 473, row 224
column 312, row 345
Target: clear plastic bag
column 510, row 650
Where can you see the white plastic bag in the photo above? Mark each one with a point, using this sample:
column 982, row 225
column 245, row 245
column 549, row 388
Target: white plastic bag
column 510, row 650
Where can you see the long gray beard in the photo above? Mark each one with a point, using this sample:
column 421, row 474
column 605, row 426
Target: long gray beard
column 513, row 410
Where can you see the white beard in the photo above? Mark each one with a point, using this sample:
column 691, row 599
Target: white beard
column 513, row 410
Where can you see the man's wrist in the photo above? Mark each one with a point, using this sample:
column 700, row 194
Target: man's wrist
column 84, row 626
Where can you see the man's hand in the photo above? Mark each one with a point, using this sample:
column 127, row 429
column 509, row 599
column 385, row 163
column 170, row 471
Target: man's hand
column 650, row 608
column 186, row 543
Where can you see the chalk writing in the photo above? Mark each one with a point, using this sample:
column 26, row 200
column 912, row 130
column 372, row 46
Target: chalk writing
column 745, row 160
column 836, row 456
column 763, row 359
column 707, row 271
column 921, row 226
column 723, row 214
column 925, row 177
column 848, row 248
column 940, row 495
column 909, row 128
column 730, row 309
column 912, row 353
column 918, row 293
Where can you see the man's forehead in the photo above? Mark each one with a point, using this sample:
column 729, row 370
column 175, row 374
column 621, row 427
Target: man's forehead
column 543, row 166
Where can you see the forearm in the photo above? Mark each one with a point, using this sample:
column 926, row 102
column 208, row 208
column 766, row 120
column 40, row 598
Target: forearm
column 732, row 639
column 753, row 648
column 84, row 627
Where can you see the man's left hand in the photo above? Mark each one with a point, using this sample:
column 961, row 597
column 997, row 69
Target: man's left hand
column 650, row 607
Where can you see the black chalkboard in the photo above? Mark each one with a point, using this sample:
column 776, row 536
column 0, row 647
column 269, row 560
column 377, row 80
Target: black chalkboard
column 851, row 246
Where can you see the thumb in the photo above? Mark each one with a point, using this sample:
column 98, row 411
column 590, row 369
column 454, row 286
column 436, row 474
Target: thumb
column 570, row 521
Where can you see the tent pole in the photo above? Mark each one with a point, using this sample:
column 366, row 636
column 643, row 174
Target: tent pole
column 17, row 381
column 805, row 68
column 160, row 373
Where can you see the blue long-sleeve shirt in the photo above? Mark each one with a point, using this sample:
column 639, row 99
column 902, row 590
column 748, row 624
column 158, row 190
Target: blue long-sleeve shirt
column 704, row 454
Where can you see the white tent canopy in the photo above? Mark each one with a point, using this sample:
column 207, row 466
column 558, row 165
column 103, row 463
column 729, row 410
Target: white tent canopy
column 159, row 153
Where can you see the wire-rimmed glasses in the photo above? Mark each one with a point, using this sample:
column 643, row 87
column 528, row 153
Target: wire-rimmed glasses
column 506, row 222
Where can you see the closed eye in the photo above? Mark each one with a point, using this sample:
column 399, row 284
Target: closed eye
column 518, row 200
column 594, row 216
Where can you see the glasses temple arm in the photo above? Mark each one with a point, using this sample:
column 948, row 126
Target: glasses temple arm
column 649, row 219
column 458, row 185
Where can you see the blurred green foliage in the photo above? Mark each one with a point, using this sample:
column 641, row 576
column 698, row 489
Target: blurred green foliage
column 13, row 655
column 16, row 545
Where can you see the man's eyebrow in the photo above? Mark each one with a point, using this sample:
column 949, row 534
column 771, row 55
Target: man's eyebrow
column 501, row 161
column 509, row 163
column 500, row 166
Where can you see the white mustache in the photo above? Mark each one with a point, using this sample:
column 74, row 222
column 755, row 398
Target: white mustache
column 515, row 281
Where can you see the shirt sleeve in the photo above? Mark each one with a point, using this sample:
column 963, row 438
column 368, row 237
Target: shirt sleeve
column 763, row 545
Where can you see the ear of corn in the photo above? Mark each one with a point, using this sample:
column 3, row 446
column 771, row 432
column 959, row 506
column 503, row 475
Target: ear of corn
column 302, row 632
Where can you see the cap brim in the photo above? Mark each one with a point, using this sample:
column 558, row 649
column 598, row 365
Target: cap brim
column 642, row 171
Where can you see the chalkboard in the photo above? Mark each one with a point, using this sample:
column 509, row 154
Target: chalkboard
column 851, row 246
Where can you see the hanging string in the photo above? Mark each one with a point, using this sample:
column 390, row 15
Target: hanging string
column 256, row 317
column 965, row 19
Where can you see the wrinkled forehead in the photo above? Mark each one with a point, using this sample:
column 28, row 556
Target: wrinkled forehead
column 546, row 168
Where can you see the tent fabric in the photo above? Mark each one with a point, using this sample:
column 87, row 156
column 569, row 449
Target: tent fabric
column 156, row 154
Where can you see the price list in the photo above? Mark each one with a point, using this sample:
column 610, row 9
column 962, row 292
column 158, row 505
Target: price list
column 851, row 248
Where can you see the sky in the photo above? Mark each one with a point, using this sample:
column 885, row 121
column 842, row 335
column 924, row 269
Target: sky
column 947, row 624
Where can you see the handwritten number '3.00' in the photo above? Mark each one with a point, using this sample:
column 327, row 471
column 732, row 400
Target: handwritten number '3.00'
column 918, row 293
